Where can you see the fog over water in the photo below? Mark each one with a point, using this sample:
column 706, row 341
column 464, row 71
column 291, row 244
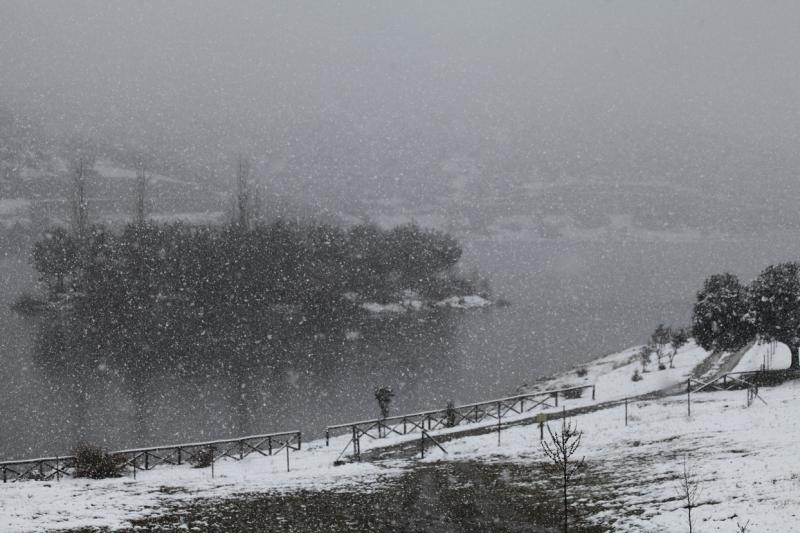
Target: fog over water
column 357, row 96
column 596, row 160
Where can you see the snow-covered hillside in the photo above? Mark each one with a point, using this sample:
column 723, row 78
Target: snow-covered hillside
column 612, row 374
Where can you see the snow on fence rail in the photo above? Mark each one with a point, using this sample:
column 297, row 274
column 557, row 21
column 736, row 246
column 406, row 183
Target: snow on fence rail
column 732, row 380
column 454, row 416
column 47, row 468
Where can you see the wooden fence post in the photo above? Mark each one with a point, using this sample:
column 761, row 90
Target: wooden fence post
column 626, row 411
column 499, row 418
column 541, row 418
column 593, row 387
column 356, row 444
column 287, row 457
column 689, row 397
column 327, row 437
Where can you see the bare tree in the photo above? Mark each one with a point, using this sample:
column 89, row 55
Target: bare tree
column 80, row 206
column 688, row 489
column 742, row 528
column 659, row 340
column 560, row 449
column 243, row 192
column 644, row 354
column 141, row 194
column 678, row 338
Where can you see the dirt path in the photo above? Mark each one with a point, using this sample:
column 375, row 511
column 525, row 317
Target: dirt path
column 712, row 362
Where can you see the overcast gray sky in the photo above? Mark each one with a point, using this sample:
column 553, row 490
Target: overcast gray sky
column 388, row 90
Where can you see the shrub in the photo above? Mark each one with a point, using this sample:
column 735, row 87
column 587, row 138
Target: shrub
column 662, row 366
column 636, row 375
column 581, row 372
column 203, row 457
column 95, row 463
column 384, row 396
column 450, row 415
column 573, row 394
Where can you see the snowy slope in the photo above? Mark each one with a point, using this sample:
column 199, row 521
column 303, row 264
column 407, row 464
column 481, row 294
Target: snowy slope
column 612, row 373
column 775, row 356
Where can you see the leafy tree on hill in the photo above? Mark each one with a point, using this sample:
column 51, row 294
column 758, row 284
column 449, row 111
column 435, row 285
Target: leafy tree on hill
column 644, row 354
column 678, row 339
column 659, row 340
column 720, row 320
column 776, row 306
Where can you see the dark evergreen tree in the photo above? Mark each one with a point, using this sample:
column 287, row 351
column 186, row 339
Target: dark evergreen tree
column 776, row 306
column 56, row 257
column 720, row 320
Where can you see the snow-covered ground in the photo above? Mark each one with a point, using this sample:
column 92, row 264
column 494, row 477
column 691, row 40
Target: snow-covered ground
column 773, row 356
column 740, row 455
column 42, row 506
column 415, row 303
column 742, row 458
column 612, row 374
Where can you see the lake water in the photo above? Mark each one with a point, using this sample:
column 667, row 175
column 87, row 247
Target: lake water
column 571, row 301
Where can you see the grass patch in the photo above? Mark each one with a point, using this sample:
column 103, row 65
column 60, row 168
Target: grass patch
column 461, row 496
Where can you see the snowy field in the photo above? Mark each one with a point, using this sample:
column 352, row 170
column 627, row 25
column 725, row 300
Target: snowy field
column 739, row 456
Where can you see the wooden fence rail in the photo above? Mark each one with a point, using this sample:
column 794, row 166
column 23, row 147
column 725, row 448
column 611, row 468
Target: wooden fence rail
column 42, row 469
column 48, row 468
column 727, row 381
column 450, row 417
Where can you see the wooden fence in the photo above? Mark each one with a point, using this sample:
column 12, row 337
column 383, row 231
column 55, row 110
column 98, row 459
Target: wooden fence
column 48, row 468
column 450, row 417
column 729, row 381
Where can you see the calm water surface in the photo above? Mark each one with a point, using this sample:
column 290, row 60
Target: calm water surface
column 571, row 301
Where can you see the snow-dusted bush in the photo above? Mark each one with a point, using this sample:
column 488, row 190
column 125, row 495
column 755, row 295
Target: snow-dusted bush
column 450, row 414
column 95, row 463
column 203, row 457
